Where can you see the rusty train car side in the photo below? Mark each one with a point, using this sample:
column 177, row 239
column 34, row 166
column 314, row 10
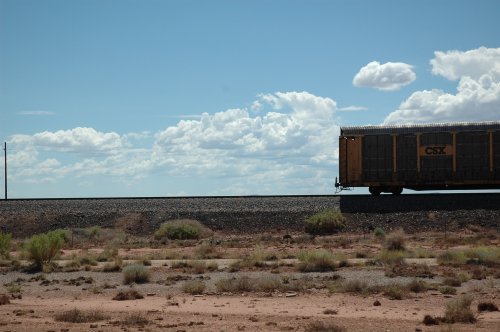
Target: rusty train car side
column 420, row 157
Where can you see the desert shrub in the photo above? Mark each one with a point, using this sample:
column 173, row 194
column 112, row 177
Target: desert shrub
column 391, row 257
column 78, row 316
column 488, row 256
column 326, row 222
column 395, row 291
column 93, row 232
column 316, row 261
column 182, row 229
column 109, row 253
column 452, row 281
column 395, row 241
column 379, row 233
column 135, row 273
column 429, row 320
column 5, row 244
column 43, row 248
column 207, row 251
column 453, row 258
column 130, row 294
column 320, row 326
column 448, row 290
column 459, row 311
column 233, row 285
column 193, row 287
column 486, row 306
column 354, row 286
column 135, row 319
column 114, row 266
column 418, row 286
column 269, row 284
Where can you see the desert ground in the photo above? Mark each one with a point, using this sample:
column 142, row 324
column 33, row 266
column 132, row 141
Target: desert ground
column 374, row 281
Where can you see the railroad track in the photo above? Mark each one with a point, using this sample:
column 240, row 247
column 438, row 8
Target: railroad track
column 249, row 213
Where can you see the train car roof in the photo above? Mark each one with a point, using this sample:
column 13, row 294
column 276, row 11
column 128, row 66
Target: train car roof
column 420, row 128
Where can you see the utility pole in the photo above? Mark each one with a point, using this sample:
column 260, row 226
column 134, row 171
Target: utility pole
column 5, row 168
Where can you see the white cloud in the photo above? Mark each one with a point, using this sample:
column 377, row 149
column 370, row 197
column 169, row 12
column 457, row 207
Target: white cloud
column 389, row 76
column 454, row 65
column 41, row 113
column 352, row 108
column 478, row 91
column 79, row 139
column 290, row 143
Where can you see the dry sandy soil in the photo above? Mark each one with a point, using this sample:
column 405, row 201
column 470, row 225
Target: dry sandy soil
column 36, row 298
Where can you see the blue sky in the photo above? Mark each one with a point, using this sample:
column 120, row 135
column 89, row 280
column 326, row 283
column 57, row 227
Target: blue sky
column 155, row 98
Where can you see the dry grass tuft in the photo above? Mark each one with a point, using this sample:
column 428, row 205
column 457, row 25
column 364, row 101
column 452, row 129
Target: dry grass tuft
column 78, row 316
column 194, row 287
column 320, row 326
column 130, row 294
column 459, row 311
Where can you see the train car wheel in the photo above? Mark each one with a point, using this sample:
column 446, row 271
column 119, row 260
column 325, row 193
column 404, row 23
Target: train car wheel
column 375, row 191
column 397, row 191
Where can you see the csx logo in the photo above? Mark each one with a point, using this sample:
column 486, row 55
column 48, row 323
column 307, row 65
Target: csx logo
column 432, row 150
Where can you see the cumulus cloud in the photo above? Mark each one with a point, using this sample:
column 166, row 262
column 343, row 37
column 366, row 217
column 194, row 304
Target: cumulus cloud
column 389, row 76
column 73, row 140
column 454, row 65
column 478, row 92
column 288, row 145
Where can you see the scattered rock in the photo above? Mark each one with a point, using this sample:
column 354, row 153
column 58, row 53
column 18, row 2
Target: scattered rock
column 4, row 299
column 377, row 303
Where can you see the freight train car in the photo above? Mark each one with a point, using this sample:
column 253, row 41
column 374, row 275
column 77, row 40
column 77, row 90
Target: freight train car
column 420, row 157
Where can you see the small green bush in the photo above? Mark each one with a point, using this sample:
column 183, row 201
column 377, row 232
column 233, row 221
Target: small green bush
column 43, row 248
column 183, row 229
column 316, row 261
column 379, row 233
column 5, row 244
column 325, row 222
column 135, row 273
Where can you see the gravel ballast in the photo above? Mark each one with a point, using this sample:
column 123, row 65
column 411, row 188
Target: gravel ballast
column 253, row 213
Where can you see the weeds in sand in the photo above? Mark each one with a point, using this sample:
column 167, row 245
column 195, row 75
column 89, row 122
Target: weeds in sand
column 130, row 294
column 78, row 316
column 135, row 273
column 459, row 311
column 320, row 326
column 395, row 241
column 418, row 286
column 448, row 290
column 194, row 287
column 5, row 240
column 115, row 266
column 316, row 261
column 135, row 319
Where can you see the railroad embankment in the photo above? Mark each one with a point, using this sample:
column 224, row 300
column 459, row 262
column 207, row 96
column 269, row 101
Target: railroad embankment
column 252, row 215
